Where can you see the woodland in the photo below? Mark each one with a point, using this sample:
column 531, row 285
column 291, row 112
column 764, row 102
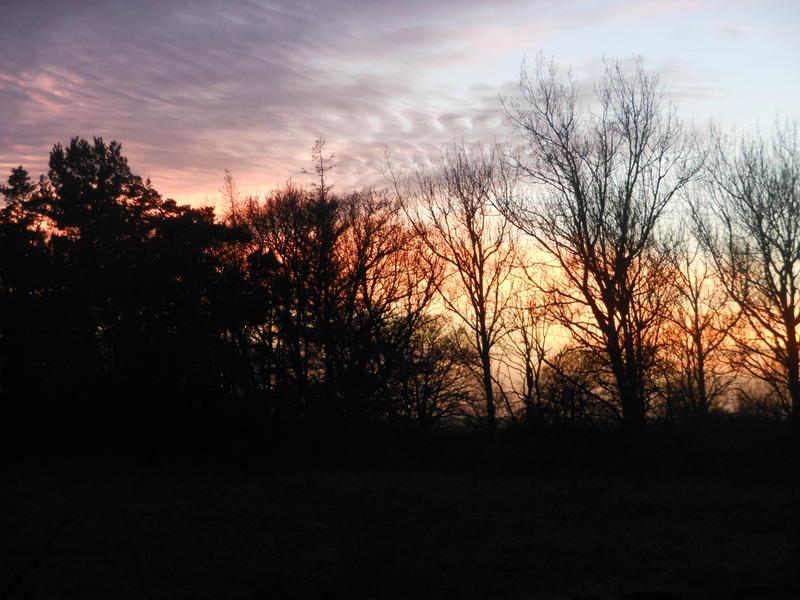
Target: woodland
column 615, row 267
column 562, row 367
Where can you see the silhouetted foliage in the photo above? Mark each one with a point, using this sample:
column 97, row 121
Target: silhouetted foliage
column 26, row 267
column 126, row 329
column 342, row 333
column 126, row 315
column 346, row 289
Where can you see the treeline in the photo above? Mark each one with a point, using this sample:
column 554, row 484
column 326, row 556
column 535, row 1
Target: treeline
column 122, row 310
column 616, row 267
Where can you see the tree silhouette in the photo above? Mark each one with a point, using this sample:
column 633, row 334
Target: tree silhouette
column 603, row 180
column 128, row 293
column 749, row 222
column 26, row 267
column 322, row 164
column 524, row 352
column 347, row 288
column 698, row 332
column 451, row 207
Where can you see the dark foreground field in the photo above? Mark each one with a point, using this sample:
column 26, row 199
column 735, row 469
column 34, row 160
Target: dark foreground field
column 202, row 528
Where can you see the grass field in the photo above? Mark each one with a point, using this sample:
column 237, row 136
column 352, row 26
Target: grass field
column 210, row 529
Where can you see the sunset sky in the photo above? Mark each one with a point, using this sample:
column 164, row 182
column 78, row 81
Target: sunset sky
column 192, row 88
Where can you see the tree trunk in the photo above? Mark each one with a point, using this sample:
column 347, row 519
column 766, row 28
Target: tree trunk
column 703, row 408
column 793, row 373
column 632, row 407
column 626, row 379
column 486, row 366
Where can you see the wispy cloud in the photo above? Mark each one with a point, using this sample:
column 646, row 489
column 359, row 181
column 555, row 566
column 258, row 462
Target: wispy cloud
column 733, row 30
column 192, row 87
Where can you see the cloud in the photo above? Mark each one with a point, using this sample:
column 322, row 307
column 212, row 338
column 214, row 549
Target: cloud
column 193, row 87
column 732, row 30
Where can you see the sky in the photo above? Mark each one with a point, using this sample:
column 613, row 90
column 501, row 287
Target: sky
column 191, row 88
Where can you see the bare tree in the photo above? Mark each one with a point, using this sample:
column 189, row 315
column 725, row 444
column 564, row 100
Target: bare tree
column 602, row 178
column 431, row 383
column 524, row 355
column 701, row 321
column 753, row 236
column 229, row 192
column 322, row 164
column 451, row 209
column 568, row 385
column 387, row 284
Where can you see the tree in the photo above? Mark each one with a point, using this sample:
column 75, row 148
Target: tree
column 290, row 231
column 389, row 284
column 749, row 222
column 230, row 196
column 700, row 324
column 127, row 319
column 18, row 191
column 567, row 389
column 25, row 264
column 602, row 178
column 429, row 382
column 322, row 164
column 347, row 286
column 525, row 355
column 451, row 207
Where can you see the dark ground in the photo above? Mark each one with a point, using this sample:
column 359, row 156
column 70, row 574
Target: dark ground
column 454, row 520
